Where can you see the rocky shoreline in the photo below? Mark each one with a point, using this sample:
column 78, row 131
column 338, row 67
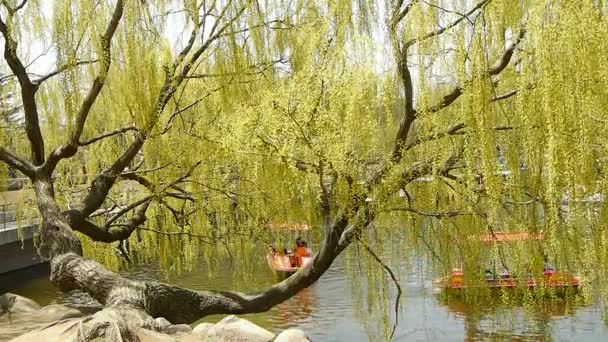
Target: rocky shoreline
column 27, row 321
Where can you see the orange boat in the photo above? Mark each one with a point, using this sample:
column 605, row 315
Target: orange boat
column 286, row 261
column 550, row 278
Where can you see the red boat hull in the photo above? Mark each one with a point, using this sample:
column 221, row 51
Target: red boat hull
column 287, row 263
column 549, row 280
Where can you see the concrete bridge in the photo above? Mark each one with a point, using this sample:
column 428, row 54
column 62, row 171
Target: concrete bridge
column 17, row 248
column 19, row 222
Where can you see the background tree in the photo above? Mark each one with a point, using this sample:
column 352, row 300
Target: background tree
column 280, row 111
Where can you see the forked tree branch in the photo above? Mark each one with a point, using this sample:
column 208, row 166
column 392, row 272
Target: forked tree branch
column 110, row 233
column 13, row 10
column 13, row 160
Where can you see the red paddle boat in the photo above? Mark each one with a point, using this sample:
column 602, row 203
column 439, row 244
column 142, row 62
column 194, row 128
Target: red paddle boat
column 550, row 278
column 287, row 261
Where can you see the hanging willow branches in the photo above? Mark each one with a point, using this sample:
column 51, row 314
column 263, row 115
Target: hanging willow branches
column 436, row 120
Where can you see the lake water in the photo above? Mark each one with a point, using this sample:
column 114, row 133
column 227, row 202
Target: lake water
column 327, row 310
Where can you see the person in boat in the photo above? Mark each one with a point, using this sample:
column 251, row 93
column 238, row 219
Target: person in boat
column 548, row 269
column 301, row 248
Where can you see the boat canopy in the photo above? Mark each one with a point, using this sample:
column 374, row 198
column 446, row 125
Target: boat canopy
column 285, row 226
column 497, row 237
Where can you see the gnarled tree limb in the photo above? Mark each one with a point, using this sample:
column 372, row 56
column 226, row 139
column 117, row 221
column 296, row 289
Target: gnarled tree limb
column 179, row 305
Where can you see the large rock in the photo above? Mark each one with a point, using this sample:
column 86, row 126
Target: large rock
column 177, row 329
column 202, row 328
column 162, row 322
column 22, row 315
column 55, row 312
column 234, row 329
column 60, row 323
column 12, row 303
column 66, row 330
column 292, row 335
column 146, row 335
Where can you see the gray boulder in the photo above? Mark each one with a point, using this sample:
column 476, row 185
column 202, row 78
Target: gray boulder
column 162, row 322
column 234, row 329
column 202, row 328
column 177, row 329
column 55, row 312
column 12, row 303
column 60, row 323
column 66, row 330
column 292, row 335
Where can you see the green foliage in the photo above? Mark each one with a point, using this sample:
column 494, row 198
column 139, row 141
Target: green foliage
column 291, row 100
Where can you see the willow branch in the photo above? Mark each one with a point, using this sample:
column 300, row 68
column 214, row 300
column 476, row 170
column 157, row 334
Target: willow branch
column 447, row 214
column 62, row 69
column 107, row 135
column 181, row 193
column 21, row 5
column 495, row 69
column 454, row 130
column 126, row 209
column 400, row 15
column 14, row 10
column 202, row 238
column 102, row 184
column 504, row 60
column 390, row 272
column 447, row 27
column 506, row 95
column 214, row 37
column 71, row 147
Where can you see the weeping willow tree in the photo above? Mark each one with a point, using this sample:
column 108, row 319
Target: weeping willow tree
column 364, row 118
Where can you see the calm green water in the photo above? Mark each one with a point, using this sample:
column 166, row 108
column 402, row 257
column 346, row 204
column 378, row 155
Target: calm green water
column 327, row 312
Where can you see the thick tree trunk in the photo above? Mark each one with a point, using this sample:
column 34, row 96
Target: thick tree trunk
column 147, row 300
column 71, row 271
column 57, row 236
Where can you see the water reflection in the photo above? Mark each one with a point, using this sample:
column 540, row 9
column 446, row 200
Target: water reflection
column 296, row 310
column 327, row 311
column 494, row 320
